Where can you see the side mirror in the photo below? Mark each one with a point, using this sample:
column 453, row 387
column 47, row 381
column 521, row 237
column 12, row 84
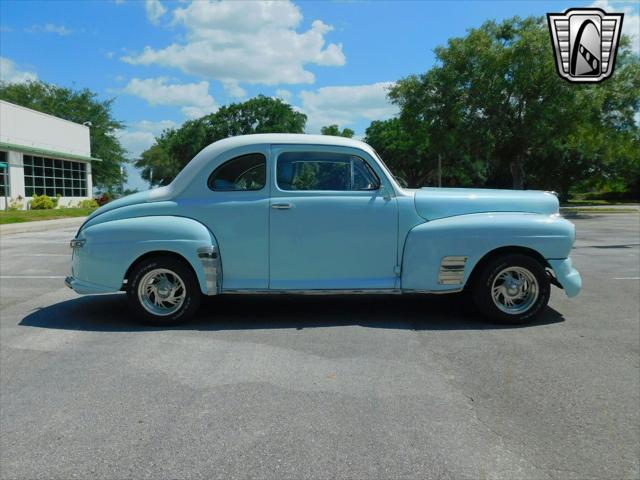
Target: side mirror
column 384, row 191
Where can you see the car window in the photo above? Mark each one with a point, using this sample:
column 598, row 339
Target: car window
column 324, row 171
column 247, row 172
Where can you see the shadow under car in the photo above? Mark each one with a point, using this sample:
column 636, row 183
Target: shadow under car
column 110, row 313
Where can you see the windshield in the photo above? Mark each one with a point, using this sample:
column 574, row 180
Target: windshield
column 401, row 181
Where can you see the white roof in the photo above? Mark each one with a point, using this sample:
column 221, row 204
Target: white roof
column 286, row 138
column 202, row 159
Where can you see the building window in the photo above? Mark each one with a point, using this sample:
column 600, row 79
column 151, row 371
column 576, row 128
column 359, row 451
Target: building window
column 53, row 177
column 4, row 176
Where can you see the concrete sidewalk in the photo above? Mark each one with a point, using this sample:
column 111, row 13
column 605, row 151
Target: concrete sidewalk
column 41, row 225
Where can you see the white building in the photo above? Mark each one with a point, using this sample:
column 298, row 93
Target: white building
column 45, row 155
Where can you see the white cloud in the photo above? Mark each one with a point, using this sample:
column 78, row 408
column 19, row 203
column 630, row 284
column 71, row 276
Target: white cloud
column 284, row 95
column 245, row 42
column 141, row 136
column 10, row 73
column 50, row 28
column 155, row 127
column 631, row 21
column 155, row 10
column 234, row 89
column 345, row 105
column 193, row 98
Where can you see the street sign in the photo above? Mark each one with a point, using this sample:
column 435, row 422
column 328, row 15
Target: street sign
column 3, row 165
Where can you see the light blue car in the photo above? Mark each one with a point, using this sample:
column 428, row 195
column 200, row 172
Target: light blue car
column 309, row 214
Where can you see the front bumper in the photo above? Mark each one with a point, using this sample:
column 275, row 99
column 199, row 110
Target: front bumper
column 567, row 276
column 84, row 288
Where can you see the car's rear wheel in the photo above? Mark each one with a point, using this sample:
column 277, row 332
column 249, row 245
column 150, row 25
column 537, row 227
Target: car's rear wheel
column 163, row 290
column 512, row 289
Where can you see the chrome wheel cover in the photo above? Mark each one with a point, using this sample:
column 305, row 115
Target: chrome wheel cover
column 515, row 290
column 161, row 292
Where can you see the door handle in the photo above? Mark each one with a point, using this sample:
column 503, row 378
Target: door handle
column 282, row 206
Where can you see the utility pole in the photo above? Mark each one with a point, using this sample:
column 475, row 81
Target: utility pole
column 439, row 170
column 122, row 180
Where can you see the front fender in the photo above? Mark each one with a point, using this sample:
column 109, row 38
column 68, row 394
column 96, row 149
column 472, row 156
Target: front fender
column 111, row 247
column 475, row 235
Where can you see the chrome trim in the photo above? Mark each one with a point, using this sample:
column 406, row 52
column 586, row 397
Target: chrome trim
column 365, row 291
column 435, row 292
column 379, row 291
column 281, row 206
column 210, row 261
column 452, row 270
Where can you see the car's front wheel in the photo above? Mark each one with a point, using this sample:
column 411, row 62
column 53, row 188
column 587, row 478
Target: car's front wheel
column 163, row 290
column 512, row 289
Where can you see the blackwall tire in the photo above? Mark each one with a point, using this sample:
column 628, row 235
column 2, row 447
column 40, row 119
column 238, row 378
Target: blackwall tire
column 512, row 289
column 163, row 291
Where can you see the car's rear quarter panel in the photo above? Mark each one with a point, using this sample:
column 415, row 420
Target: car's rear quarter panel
column 112, row 247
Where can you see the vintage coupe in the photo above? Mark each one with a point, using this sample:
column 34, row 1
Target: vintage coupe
column 280, row 213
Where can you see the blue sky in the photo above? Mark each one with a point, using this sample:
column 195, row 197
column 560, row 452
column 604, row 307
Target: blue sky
column 165, row 62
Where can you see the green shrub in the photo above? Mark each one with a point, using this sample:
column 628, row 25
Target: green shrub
column 88, row 203
column 42, row 202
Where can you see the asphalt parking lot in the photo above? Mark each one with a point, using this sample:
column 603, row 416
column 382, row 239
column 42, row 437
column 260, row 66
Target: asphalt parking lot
column 321, row 387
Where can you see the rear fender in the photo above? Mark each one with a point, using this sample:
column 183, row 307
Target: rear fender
column 112, row 247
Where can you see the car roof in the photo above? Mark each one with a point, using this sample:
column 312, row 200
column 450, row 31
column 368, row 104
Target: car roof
column 202, row 160
column 287, row 138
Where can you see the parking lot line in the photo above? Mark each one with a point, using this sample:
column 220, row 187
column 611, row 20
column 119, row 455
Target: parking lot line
column 5, row 277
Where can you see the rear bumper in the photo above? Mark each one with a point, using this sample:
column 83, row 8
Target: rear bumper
column 83, row 288
column 567, row 276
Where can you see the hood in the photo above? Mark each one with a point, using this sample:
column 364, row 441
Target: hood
column 434, row 203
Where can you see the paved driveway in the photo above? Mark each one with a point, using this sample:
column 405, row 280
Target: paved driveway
column 361, row 387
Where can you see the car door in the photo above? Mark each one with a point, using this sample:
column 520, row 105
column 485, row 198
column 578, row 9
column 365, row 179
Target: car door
column 236, row 210
column 331, row 225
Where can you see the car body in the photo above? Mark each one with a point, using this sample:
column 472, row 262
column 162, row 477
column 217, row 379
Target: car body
column 273, row 213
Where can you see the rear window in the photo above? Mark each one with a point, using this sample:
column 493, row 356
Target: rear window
column 247, row 172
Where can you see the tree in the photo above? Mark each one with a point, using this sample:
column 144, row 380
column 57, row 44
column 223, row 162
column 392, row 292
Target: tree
column 494, row 106
column 335, row 131
column 176, row 147
column 78, row 106
column 401, row 151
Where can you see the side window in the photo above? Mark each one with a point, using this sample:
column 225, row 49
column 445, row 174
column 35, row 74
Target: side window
column 324, row 171
column 247, row 172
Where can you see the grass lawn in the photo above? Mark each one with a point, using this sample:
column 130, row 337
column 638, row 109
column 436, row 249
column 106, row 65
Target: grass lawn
column 599, row 210
column 19, row 216
column 586, row 203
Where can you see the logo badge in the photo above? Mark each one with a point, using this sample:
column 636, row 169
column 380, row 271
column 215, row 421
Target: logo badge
column 585, row 42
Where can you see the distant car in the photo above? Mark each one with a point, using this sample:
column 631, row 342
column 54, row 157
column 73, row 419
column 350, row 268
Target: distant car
column 314, row 214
